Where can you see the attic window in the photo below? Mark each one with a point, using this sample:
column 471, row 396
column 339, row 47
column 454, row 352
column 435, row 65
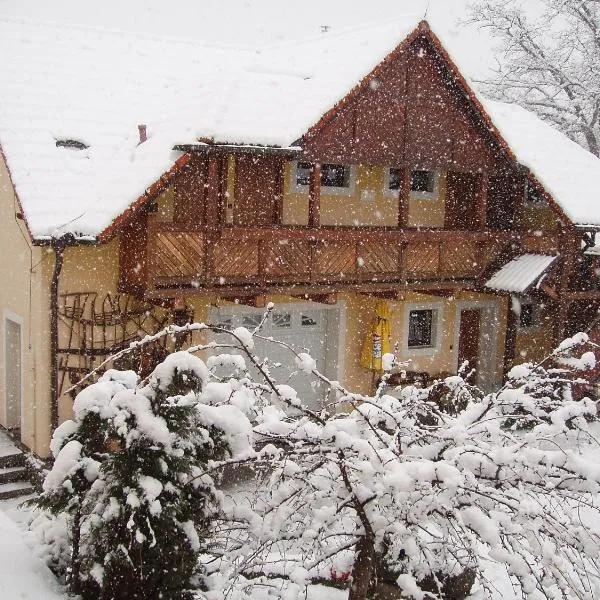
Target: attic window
column 69, row 143
column 534, row 196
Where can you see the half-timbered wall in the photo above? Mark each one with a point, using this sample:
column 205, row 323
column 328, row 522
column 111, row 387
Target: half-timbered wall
column 414, row 114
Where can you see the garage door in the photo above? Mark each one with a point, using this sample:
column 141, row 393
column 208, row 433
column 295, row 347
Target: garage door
column 302, row 326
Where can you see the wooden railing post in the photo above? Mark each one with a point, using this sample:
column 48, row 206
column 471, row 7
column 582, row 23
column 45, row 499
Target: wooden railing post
column 404, row 198
column 314, row 196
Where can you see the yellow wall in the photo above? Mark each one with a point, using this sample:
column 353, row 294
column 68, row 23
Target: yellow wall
column 368, row 204
column 533, row 345
column 539, row 218
column 428, row 212
column 22, row 298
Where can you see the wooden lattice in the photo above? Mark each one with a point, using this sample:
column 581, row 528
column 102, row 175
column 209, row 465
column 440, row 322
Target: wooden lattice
column 335, row 259
column 236, row 260
column 379, row 258
column 461, row 258
column 178, row 254
column 422, row 258
column 286, row 258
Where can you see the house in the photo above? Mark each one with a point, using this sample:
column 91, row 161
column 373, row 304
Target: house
column 148, row 181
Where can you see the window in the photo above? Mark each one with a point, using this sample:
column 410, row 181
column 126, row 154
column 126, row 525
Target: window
column 335, row 176
column 424, row 184
column 534, row 197
column 394, row 180
column 528, row 316
column 282, row 320
column 420, row 329
column 308, row 321
column 303, row 173
column 251, row 321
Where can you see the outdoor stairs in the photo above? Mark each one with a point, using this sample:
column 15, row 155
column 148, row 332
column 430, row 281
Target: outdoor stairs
column 14, row 476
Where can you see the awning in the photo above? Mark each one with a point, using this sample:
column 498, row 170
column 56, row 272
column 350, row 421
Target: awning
column 521, row 273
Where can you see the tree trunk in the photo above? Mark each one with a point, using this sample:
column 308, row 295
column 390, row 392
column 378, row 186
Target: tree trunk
column 364, row 568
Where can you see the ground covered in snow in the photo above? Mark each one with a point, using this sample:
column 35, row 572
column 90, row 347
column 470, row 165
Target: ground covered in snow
column 22, row 574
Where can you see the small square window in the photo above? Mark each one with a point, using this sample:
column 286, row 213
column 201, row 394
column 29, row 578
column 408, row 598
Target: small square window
column 282, row 320
column 308, row 321
column 534, row 196
column 251, row 321
column 335, row 176
column 395, row 179
column 420, row 329
column 528, row 315
column 423, row 181
column 303, row 173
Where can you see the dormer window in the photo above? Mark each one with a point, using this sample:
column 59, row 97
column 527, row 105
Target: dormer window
column 424, row 184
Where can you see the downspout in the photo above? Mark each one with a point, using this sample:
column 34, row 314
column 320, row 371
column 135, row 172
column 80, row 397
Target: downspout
column 58, row 245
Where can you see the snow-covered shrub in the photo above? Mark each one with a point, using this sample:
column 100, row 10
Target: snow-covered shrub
column 424, row 491
column 130, row 472
column 417, row 494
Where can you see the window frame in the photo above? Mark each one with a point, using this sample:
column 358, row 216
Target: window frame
column 386, row 182
column 541, row 202
column 20, row 321
column 326, row 190
column 535, row 314
column 436, row 328
column 433, row 195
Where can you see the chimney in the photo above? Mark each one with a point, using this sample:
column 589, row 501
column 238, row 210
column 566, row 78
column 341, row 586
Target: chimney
column 142, row 131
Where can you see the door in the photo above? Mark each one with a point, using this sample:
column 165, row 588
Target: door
column 461, row 201
column 13, row 382
column 303, row 327
column 468, row 342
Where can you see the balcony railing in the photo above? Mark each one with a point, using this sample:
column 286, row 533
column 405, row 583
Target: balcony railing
column 285, row 256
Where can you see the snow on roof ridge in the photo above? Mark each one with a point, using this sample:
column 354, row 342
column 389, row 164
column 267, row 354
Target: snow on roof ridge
column 344, row 31
column 81, row 27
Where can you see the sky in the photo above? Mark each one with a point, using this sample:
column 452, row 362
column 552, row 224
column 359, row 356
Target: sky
column 260, row 22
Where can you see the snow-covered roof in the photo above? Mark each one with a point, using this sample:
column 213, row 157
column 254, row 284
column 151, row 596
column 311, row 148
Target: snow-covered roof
column 95, row 86
column 521, row 273
column 565, row 169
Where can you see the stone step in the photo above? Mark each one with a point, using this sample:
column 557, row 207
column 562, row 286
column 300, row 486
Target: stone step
column 15, row 489
column 14, row 458
column 11, row 474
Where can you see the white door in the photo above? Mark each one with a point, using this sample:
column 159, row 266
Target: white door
column 12, row 366
column 303, row 327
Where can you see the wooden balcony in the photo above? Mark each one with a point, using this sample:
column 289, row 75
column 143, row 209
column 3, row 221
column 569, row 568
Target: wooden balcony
column 246, row 258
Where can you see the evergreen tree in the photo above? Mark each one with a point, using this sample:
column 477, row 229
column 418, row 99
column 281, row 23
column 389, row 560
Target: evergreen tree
column 129, row 470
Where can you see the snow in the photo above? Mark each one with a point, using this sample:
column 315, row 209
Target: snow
column 185, row 90
column 569, row 172
column 21, row 574
column 521, row 273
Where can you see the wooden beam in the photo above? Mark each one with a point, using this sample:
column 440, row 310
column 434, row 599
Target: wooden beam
column 259, row 301
column 242, row 291
column 329, row 299
column 404, row 197
column 213, row 189
column 279, row 192
column 314, row 196
column 481, row 202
